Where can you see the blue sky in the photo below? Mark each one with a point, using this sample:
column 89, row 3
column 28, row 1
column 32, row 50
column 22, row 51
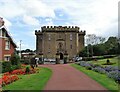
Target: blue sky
column 22, row 17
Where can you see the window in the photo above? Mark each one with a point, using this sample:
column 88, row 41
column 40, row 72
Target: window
column 59, row 36
column 70, row 37
column 7, row 45
column 7, row 58
column 3, row 34
column 49, row 37
column 71, row 46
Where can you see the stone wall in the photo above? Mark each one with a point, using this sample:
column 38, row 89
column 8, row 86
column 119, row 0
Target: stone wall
column 52, row 38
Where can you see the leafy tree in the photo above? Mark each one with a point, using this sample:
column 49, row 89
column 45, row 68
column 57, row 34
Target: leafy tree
column 110, row 47
column 15, row 59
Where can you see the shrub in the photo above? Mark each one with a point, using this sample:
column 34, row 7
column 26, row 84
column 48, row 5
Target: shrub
column 88, row 66
column 109, row 68
column 82, row 63
column 114, row 75
column 6, row 67
column 15, row 59
column 27, row 70
column 99, row 70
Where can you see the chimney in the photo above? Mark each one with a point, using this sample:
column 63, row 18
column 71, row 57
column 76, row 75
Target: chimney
column 1, row 22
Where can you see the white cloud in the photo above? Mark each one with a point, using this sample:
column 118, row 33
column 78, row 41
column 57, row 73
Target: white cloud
column 35, row 8
column 7, row 23
column 10, row 8
column 95, row 16
column 49, row 22
column 30, row 20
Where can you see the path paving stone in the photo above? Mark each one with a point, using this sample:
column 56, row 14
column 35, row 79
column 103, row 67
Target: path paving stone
column 65, row 77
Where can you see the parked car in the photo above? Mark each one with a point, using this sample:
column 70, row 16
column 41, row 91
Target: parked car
column 49, row 60
column 76, row 59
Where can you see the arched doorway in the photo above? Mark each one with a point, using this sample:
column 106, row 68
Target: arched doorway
column 61, row 56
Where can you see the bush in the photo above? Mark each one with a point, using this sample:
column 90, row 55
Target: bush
column 82, row 63
column 27, row 70
column 88, row 66
column 114, row 75
column 6, row 67
column 15, row 59
column 97, row 57
column 99, row 70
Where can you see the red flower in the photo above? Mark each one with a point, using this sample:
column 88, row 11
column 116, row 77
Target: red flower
column 7, row 79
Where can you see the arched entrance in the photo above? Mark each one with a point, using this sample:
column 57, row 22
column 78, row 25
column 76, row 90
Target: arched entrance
column 61, row 56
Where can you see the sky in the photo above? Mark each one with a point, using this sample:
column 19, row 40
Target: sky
column 23, row 17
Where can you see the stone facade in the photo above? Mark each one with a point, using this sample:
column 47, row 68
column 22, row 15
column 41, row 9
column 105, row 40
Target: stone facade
column 53, row 39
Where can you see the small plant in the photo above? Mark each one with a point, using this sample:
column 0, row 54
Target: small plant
column 99, row 70
column 88, row 66
column 114, row 75
column 27, row 70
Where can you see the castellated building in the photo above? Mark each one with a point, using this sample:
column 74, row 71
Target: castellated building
column 59, row 39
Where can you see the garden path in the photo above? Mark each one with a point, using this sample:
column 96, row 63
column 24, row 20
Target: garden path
column 65, row 77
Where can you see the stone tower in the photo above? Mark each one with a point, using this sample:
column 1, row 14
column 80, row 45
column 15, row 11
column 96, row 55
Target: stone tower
column 53, row 39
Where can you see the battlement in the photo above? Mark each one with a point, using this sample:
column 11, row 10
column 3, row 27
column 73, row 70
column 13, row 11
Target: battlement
column 82, row 32
column 59, row 28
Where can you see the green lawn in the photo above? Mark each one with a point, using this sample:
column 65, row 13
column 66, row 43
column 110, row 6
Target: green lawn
column 35, row 81
column 103, row 61
column 100, row 78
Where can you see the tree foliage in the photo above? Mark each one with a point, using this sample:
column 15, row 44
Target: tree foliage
column 110, row 47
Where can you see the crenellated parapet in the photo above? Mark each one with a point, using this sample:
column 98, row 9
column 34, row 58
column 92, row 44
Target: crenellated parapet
column 60, row 28
column 38, row 32
column 82, row 32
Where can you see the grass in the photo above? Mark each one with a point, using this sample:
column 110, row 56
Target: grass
column 35, row 81
column 103, row 61
column 100, row 78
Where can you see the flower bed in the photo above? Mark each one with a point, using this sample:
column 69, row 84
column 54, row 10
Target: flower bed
column 7, row 79
column 111, row 71
column 10, row 77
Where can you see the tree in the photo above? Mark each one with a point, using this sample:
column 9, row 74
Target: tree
column 100, row 47
column 111, row 45
column 92, row 40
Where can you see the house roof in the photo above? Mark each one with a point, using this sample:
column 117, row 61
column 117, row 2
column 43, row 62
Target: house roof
column 8, row 35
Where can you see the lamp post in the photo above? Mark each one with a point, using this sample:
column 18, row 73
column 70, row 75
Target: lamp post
column 65, row 57
column 41, row 58
column 57, row 57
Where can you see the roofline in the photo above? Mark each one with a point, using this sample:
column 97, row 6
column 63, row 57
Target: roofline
column 3, row 27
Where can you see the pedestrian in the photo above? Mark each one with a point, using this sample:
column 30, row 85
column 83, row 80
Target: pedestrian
column 37, row 60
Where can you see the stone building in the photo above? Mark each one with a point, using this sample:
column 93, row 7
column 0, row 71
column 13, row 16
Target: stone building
column 61, row 39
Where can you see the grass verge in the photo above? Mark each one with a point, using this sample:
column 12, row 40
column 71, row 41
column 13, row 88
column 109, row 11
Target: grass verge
column 103, row 61
column 100, row 78
column 28, row 82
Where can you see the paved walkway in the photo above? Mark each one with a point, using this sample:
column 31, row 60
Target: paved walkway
column 65, row 77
